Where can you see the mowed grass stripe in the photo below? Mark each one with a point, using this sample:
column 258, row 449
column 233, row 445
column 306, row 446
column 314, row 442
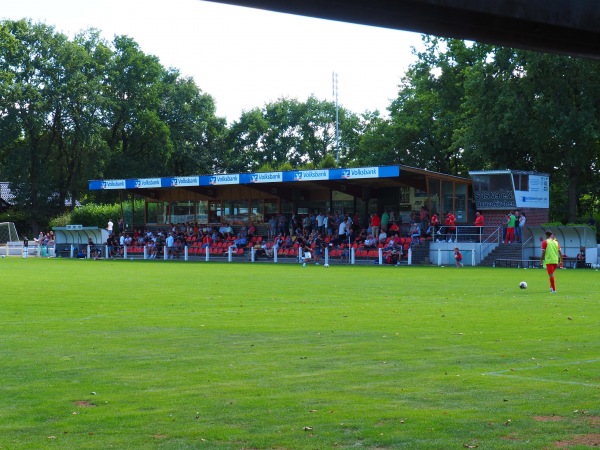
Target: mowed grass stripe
column 216, row 355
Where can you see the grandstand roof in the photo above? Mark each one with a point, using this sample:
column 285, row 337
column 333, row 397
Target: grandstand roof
column 350, row 180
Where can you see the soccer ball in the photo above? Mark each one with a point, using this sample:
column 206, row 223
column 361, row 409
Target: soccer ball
column 523, row 285
column 326, row 265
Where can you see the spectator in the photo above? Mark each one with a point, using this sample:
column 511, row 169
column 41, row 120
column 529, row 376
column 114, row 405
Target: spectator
column 293, row 225
column 479, row 223
column 227, row 231
column 415, row 233
column 521, row 224
column 392, row 257
column 518, row 230
column 150, row 249
column 342, row 230
column 580, row 258
column 375, row 224
column 170, row 245
column 511, row 221
column 251, row 230
column 281, row 224
column 434, row 223
column 94, row 251
column 370, row 241
column 272, row 226
column 450, row 226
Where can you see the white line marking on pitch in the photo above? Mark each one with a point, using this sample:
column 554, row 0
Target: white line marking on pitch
column 507, row 373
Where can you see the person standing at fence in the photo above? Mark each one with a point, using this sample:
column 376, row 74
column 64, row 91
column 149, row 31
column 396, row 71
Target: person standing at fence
column 511, row 221
column 521, row 224
column 25, row 247
column 518, row 234
column 435, row 222
column 552, row 257
column 109, row 226
column 450, row 226
column 479, row 222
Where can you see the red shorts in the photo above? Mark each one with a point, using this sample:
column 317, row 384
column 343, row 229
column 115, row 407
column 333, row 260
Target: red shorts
column 550, row 268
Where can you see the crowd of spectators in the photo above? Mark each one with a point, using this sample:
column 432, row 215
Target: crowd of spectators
column 286, row 234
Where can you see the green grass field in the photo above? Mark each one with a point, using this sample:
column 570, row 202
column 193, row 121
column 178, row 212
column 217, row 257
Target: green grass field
column 155, row 354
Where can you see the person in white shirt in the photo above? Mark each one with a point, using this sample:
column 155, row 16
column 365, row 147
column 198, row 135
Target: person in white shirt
column 342, row 229
column 170, row 245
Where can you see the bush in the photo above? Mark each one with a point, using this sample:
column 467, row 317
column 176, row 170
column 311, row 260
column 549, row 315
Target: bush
column 97, row 215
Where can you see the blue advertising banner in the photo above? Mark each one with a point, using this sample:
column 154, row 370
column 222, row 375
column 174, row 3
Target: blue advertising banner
column 180, row 181
column 306, row 175
column 262, row 177
column 248, row 178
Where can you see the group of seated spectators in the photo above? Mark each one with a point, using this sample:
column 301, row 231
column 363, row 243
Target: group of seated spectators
column 177, row 236
column 45, row 239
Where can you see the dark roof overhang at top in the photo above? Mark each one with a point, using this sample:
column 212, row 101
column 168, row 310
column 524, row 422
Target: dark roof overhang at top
column 552, row 26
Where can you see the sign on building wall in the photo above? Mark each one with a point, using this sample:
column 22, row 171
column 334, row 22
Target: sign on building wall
column 538, row 195
column 505, row 189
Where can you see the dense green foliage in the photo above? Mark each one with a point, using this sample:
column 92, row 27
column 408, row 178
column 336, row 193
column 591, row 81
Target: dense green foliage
column 97, row 215
column 78, row 109
column 169, row 355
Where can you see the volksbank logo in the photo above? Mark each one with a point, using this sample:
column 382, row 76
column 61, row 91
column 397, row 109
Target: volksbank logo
column 366, row 172
column 266, row 177
column 147, row 182
column 224, row 179
column 311, row 175
column 113, row 184
column 184, row 181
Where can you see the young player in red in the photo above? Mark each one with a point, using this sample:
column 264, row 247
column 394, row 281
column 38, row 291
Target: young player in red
column 458, row 257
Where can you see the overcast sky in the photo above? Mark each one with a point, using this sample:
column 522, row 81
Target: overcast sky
column 245, row 57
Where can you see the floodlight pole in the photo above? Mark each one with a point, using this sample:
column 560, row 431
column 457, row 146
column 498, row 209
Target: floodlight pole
column 337, row 124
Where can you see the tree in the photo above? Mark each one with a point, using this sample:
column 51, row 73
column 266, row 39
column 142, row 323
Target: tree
column 80, row 152
column 482, row 107
column 299, row 133
column 30, row 115
column 427, row 112
column 197, row 135
column 137, row 135
column 534, row 111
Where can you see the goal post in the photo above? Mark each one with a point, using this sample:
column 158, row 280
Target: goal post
column 8, row 232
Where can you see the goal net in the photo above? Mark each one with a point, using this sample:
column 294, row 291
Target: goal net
column 8, row 232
